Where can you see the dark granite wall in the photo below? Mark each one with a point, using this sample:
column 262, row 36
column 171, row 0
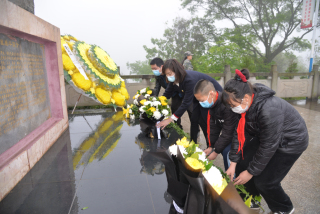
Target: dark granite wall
column 25, row 4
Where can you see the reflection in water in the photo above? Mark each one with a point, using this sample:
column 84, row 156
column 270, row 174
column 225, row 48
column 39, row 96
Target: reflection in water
column 301, row 102
column 100, row 142
column 48, row 186
column 308, row 104
column 151, row 165
column 55, row 184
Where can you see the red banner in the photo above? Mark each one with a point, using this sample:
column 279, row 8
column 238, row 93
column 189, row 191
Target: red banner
column 307, row 13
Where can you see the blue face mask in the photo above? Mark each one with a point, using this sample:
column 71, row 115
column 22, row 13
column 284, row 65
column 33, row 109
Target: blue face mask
column 156, row 72
column 206, row 104
column 171, row 78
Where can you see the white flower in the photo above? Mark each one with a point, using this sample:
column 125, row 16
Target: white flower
column 143, row 90
column 147, row 103
column 128, row 106
column 202, row 156
column 157, row 115
column 156, row 103
column 173, row 149
column 135, row 102
column 130, row 111
column 132, row 117
column 182, row 150
column 141, row 109
column 154, row 99
column 165, row 112
column 147, row 95
column 213, row 176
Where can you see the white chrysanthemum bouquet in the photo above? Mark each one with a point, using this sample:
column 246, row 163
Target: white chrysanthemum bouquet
column 145, row 92
column 155, row 107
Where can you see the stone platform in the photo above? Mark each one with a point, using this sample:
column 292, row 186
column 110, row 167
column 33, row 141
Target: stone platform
column 100, row 162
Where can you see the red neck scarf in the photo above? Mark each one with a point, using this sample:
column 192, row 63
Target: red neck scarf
column 240, row 130
column 208, row 122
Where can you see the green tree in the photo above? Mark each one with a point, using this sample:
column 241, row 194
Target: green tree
column 286, row 63
column 217, row 57
column 185, row 35
column 139, row 67
column 257, row 21
column 293, row 68
column 249, row 63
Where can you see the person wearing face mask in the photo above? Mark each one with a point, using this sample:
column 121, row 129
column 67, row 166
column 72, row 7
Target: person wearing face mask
column 176, row 99
column 221, row 121
column 271, row 135
column 184, row 82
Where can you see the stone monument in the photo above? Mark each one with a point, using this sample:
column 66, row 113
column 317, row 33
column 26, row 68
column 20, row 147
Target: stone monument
column 32, row 92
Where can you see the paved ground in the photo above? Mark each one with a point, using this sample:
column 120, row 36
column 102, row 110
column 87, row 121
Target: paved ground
column 88, row 167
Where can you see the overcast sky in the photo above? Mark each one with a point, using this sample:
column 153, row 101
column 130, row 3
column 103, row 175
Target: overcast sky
column 120, row 27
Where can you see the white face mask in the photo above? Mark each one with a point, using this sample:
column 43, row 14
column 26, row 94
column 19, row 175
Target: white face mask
column 239, row 110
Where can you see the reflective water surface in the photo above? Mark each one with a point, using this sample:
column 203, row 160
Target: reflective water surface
column 100, row 162
column 311, row 105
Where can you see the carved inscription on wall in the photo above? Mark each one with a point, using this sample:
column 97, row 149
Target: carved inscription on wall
column 294, row 88
column 24, row 100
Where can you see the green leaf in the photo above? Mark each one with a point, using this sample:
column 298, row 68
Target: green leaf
column 248, row 201
column 208, row 165
column 84, row 208
column 178, row 130
column 195, row 155
column 67, row 75
column 258, row 198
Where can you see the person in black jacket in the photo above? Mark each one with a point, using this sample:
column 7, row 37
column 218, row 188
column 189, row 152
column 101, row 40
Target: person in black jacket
column 220, row 120
column 270, row 137
column 176, row 99
column 184, row 82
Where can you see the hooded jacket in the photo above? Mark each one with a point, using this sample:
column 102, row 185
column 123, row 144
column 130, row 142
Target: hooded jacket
column 221, row 119
column 277, row 125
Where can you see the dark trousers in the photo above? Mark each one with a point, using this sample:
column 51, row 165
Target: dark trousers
column 225, row 155
column 197, row 120
column 268, row 183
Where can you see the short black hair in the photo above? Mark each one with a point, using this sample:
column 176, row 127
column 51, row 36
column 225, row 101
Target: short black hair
column 203, row 87
column 158, row 61
column 235, row 89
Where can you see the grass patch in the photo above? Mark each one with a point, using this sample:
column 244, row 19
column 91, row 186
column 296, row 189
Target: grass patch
column 294, row 98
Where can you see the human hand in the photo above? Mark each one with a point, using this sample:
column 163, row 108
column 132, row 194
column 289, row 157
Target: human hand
column 164, row 123
column 213, row 156
column 208, row 150
column 231, row 170
column 243, row 178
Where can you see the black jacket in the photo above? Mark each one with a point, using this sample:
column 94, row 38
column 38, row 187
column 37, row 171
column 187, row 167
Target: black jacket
column 278, row 126
column 186, row 87
column 222, row 120
column 160, row 82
